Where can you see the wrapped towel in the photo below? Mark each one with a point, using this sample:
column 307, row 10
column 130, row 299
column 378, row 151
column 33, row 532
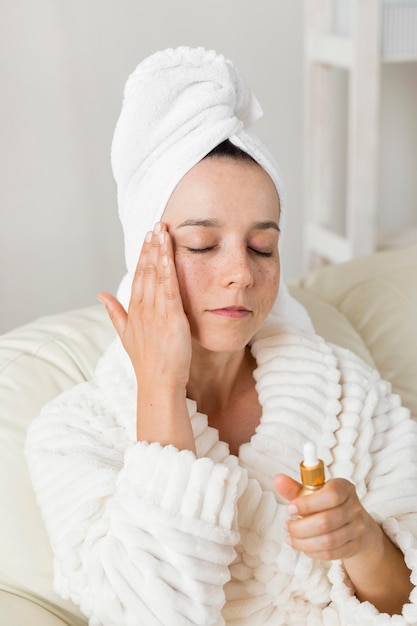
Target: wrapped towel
column 178, row 105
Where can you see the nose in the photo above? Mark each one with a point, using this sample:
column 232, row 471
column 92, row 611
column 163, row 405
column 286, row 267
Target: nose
column 236, row 268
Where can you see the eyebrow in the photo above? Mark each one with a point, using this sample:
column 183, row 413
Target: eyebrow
column 211, row 223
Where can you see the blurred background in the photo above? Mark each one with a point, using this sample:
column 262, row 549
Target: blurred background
column 63, row 66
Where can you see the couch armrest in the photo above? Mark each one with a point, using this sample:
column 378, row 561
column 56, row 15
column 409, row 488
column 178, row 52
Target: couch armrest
column 18, row 611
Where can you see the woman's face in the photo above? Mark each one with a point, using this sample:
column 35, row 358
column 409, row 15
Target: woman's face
column 223, row 217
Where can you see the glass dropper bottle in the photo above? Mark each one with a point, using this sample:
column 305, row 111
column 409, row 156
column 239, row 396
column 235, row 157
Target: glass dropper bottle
column 312, row 471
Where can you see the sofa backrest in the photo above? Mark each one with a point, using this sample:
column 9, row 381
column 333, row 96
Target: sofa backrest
column 369, row 305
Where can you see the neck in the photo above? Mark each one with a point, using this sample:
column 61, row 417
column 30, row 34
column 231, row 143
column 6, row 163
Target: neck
column 215, row 378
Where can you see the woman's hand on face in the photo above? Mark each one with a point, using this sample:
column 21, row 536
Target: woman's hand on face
column 156, row 335
column 331, row 522
column 154, row 331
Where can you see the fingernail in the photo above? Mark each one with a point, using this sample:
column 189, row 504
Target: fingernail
column 292, row 509
column 157, row 228
column 167, row 267
column 288, row 540
column 161, row 237
column 148, row 237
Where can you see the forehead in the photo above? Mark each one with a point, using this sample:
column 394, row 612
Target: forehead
column 221, row 187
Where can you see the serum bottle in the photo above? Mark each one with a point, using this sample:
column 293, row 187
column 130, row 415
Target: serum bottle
column 312, row 471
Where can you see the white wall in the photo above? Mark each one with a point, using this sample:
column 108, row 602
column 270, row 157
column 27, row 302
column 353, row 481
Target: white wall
column 398, row 147
column 63, row 67
column 63, row 64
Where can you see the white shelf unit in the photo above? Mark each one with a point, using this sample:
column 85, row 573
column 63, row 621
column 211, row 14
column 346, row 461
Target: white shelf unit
column 356, row 36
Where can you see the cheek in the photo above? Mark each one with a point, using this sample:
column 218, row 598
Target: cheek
column 269, row 278
column 191, row 280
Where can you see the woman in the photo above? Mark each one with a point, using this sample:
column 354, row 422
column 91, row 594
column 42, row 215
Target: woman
column 168, row 483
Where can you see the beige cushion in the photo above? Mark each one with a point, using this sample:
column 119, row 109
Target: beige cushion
column 37, row 362
column 368, row 305
column 16, row 611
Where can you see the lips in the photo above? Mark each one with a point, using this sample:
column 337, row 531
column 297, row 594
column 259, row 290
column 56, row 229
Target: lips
column 233, row 312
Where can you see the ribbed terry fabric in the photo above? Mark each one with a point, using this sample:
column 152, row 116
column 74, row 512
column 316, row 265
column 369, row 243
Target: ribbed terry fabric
column 145, row 534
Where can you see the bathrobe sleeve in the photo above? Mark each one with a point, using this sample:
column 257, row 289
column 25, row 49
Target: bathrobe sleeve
column 364, row 435
column 141, row 534
column 377, row 451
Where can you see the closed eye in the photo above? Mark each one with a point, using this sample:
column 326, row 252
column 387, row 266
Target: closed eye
column 200, row 250
column 260, row 252
column 209, row 248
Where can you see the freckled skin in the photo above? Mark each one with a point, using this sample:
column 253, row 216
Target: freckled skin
column 234, row 195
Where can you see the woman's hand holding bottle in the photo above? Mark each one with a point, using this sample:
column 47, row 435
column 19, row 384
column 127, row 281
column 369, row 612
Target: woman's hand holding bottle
column 332, row 524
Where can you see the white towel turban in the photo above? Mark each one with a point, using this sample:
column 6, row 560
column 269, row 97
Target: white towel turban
column 178, row 105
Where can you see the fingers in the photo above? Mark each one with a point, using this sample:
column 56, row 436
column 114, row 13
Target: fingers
column 152, row 268
column 146, row 274
column 330, row 523
column 340, row 543
column 287, row 487
column 321, row 523
column 155, row 282
column 116, row 312
column 169, row 298
column 333, row 494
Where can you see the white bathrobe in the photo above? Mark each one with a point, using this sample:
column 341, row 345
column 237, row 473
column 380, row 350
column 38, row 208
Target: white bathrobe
column 144, row 534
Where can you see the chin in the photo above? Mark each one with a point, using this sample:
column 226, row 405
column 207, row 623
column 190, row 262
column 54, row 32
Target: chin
column 223, row 342
column 225, row 349
column 222, row 336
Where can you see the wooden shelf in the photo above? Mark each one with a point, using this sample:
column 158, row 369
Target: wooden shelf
column 360, row 56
